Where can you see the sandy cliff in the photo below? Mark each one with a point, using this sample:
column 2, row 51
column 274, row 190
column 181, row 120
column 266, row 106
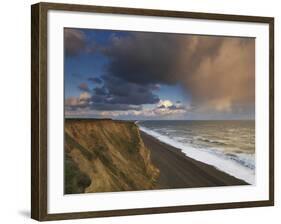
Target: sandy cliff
column 106, row 155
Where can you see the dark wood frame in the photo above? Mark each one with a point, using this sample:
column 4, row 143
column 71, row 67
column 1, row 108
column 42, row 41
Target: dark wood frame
column 39, row 110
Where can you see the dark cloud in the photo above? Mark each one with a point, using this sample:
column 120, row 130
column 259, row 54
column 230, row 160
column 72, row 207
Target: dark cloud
column 176, row 107
column 218, row 72
column 117, row 91
column 114, row 107
column 101, row 91
column 159, row 58
column 74, row 41
column 95, row 80
column 114, row 94
column 84, row 87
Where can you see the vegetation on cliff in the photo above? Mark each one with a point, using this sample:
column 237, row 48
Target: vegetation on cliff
column 106, row 156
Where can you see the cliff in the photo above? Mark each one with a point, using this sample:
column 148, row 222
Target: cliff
column 106, row 156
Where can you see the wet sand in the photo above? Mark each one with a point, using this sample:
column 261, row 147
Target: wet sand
column 179, row 171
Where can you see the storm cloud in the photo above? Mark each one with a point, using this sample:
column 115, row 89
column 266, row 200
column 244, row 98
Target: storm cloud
column 116, row 90
column 219, row 72
column 116, row 94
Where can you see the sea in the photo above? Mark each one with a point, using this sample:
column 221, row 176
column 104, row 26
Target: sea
column 227, row 145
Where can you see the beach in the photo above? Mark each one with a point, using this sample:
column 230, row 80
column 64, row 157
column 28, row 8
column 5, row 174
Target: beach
column 179, row 171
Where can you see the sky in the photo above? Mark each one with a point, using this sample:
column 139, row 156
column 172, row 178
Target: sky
column 155, row 76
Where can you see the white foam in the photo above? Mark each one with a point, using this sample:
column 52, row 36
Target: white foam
column 222, row 163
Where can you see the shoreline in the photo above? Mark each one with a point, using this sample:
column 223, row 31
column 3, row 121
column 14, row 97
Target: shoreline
column 180, row 171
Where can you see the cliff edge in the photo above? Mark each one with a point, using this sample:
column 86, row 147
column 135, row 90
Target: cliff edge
column 106, row 156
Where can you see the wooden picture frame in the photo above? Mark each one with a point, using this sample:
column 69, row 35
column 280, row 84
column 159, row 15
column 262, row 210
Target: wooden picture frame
column 39, row 108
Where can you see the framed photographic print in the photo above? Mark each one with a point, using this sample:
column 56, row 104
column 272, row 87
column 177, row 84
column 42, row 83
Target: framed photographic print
column 138, row 111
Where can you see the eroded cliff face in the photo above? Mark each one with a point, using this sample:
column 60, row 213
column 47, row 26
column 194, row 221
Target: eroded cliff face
column 106, row 155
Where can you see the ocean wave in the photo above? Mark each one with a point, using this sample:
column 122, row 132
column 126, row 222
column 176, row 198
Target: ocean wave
column 219, row 142
column 239, row 165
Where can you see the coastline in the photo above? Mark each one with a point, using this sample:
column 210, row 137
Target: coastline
column 179, row 171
